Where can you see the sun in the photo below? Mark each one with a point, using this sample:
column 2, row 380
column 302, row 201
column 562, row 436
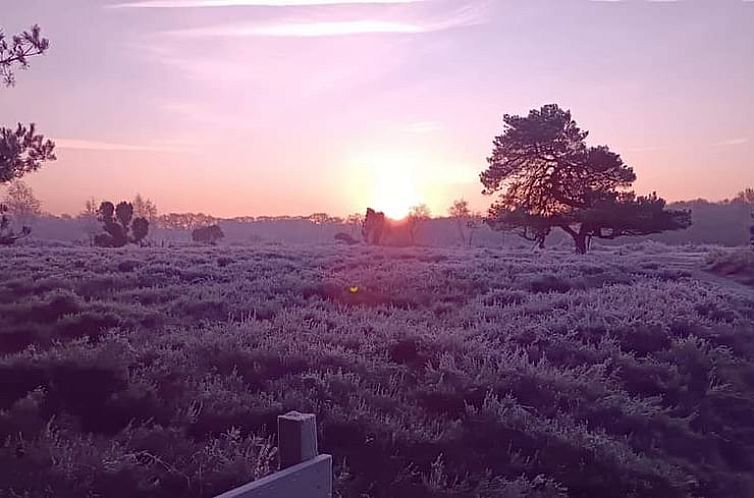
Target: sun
column 394, row 193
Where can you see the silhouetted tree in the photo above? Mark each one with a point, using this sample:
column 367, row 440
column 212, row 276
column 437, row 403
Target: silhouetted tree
column 17, row 51
column 8, row 236
column 550, row 178
column 416, row 216
column 120, row 226
column 22, row 150
column 373, row 226
column 208, row 235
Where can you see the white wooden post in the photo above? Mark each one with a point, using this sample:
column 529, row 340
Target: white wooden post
column 303, row 473
column 297, row 438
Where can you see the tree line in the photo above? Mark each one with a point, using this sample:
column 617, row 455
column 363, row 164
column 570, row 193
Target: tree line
column 544, row 173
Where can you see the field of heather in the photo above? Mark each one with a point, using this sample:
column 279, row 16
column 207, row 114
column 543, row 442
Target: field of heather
column 146, row 372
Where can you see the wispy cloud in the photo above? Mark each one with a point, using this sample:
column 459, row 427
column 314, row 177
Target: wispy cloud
column 183, row 4
column 731, row 142
column 422, row 127
column 307, row 29
column 313, row 27
column 71, row 143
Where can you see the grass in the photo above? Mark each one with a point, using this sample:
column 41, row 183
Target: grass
column 737, row 264
column 433, row 373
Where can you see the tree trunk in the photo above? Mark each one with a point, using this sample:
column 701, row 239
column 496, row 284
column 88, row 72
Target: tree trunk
column 580, row 241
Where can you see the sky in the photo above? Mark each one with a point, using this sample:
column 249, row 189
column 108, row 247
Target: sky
column 272, row 107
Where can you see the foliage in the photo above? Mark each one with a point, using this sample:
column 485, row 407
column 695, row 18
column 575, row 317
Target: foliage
column 18, row 50
column 446, row 373
column 551, row 179
column 120, row 226
column 208, row 235
column 22, row 150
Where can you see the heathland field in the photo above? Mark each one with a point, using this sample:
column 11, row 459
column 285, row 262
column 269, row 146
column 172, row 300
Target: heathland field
column 147, row 372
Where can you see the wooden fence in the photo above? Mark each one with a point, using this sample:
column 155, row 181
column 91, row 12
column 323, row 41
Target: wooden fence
column 304, row 473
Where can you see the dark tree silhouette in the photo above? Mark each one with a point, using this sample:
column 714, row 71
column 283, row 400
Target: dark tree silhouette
column 549, row 178
column 22, row 150
column 208, row 235
column 8, row 236
column 17, row 51
column 117, row 222
column 373, row 226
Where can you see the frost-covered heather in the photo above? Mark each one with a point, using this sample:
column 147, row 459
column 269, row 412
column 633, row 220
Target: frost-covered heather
column 433, row 373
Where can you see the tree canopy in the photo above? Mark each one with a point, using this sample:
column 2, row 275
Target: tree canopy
column 548, row 177
column 15, row 53
column 22, row 150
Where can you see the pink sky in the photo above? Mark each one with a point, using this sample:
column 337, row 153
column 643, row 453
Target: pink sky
column 252, row 107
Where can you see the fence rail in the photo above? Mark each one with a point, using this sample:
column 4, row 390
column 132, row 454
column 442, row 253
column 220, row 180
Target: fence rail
column 303, row 472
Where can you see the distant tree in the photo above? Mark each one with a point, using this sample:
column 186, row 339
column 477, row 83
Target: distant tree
column 186, row 221
column 319, row 218
column 416, row 217
column 373, row 227
column 21, row 202
column 549, row 178
column 208, row 235
column 473, row 223
column 22, row 150
column 9, row 236
column 120, row 226
column 461, row 214
column 746, row 196
column 354, row 221
column 145, row 208
column 89, row 218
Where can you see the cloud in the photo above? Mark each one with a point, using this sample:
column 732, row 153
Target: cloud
column 732, row 141
column 70, row 143
column 422, row 127
column 183, row 4
column 307, row 28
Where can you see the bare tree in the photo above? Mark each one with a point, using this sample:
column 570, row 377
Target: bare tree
column 417, row 215
column 145, row 208
column 89, row 218
column 460, row 213
column 21, row 202
column 354, row 222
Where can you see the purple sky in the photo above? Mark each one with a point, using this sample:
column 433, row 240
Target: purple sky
column 243, row 107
